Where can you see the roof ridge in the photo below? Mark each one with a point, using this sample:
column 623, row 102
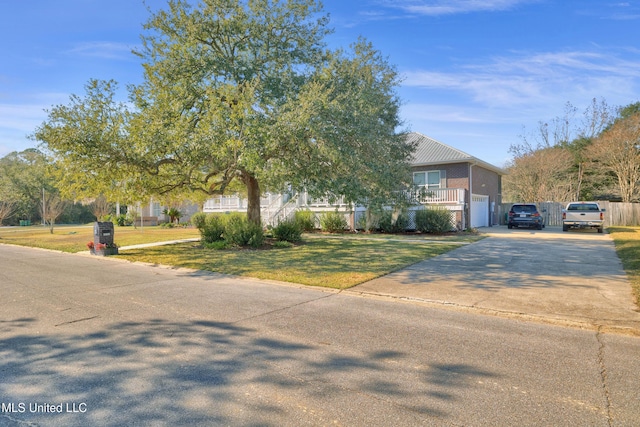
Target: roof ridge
column 430, row 151
column 465, row 154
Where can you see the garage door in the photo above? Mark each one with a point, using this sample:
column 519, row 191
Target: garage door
column 479, row 211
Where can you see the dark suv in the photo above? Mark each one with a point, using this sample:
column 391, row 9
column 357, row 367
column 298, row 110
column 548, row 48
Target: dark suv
column 525, row 215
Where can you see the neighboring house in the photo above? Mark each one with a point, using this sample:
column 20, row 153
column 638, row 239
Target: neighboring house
column 152, row 213
column 442, row 175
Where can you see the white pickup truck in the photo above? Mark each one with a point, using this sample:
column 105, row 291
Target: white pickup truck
column 583, row 215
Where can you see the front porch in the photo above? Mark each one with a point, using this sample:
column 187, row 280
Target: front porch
column 276, row 207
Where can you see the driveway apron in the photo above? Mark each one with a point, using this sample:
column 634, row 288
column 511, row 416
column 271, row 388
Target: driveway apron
column 566, row 278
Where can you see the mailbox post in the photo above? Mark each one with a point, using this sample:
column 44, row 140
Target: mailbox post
column 103, row 239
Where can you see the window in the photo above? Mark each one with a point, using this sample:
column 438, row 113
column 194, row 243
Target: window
column 429, row 179
column 155, row 209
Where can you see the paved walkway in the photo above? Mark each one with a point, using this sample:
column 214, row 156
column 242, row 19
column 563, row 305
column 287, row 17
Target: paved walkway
column 148, row 245
column 570, row 278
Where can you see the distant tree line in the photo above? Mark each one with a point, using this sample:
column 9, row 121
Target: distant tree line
column 29, row 191
column 595, row 156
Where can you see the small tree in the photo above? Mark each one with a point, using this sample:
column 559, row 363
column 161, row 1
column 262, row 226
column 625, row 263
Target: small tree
column 174, row 214
column 7, row 210
column 53, row 207
column 101, row 207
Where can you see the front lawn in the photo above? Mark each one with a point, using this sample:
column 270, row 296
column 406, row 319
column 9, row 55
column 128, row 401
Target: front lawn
column 75, row 238
column 330, row 261
column 627, row 241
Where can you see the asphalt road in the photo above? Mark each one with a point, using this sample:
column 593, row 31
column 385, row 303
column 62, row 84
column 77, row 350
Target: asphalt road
column 116, row 344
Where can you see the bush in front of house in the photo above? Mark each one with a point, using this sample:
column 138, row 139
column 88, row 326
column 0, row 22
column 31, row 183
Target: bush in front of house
column 433, row 221
column 306, row 220
column 210, row 226
column 333, row 222
column 239, row 231
column 387, row 224
column 198, row 220
column 288, row 231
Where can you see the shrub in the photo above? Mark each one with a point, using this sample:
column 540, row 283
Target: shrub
column 219, row 245
column 333, row 222
column 306, row 220
column 122, row 221
column 433, row 221
column 198, row 219
column 240, row 232
column 288, row 231
column 211, row 227
column 387, row 224
column 369, row 221
column 401, row 224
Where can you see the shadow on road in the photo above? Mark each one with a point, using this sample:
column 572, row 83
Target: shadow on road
column 209, row 373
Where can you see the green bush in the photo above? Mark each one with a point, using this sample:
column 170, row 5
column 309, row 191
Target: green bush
column 433, row 221
column 306, row 220
column 211, row 227
column 369, row 221
column 239, row 231
column 122, row 220
column 198, row 219
column 387, row 224
column 333, row 222
column 288, row 231
column 219, row 245
column 401, row 224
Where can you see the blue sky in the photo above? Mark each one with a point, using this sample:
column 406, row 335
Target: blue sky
column 478, row 74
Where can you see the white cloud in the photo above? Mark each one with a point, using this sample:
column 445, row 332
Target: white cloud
column 448, row 7
column 21, row 117
column 538, row 78
column 105, row 50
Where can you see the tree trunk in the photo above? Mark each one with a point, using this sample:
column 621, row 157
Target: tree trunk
column 253, row 198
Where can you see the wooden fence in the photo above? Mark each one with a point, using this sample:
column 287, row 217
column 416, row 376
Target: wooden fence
column 615, row 213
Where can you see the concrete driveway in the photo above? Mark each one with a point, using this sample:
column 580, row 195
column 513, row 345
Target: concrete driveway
column 572, row 278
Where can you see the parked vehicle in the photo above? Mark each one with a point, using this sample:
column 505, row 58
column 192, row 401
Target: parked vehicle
column 583, row 215
column 525, row 215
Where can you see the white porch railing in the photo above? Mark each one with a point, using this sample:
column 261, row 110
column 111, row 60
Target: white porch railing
column 427, row 196
column 223, row 203
column 324, row 202
column 272, row 204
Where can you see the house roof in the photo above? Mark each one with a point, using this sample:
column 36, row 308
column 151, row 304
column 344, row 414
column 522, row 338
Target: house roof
column 431, row 152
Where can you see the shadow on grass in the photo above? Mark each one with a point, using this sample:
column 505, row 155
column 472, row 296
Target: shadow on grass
column 160, row 372
column 336, row 263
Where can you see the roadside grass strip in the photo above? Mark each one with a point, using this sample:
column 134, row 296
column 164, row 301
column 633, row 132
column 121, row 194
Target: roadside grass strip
column 75, row 238
column 627, row 241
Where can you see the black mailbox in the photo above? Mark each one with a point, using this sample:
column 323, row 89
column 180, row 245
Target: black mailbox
column 103, row 233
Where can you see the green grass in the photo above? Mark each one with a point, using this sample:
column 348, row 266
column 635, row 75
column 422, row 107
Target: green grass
column 627, row 241
column 75, row 238
column 335, row 261
column 319, row 261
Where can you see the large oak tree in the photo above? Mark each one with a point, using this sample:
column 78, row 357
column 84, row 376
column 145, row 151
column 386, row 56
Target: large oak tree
column 237, row 94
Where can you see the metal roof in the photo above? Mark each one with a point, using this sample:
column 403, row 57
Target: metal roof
column 432, row 152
